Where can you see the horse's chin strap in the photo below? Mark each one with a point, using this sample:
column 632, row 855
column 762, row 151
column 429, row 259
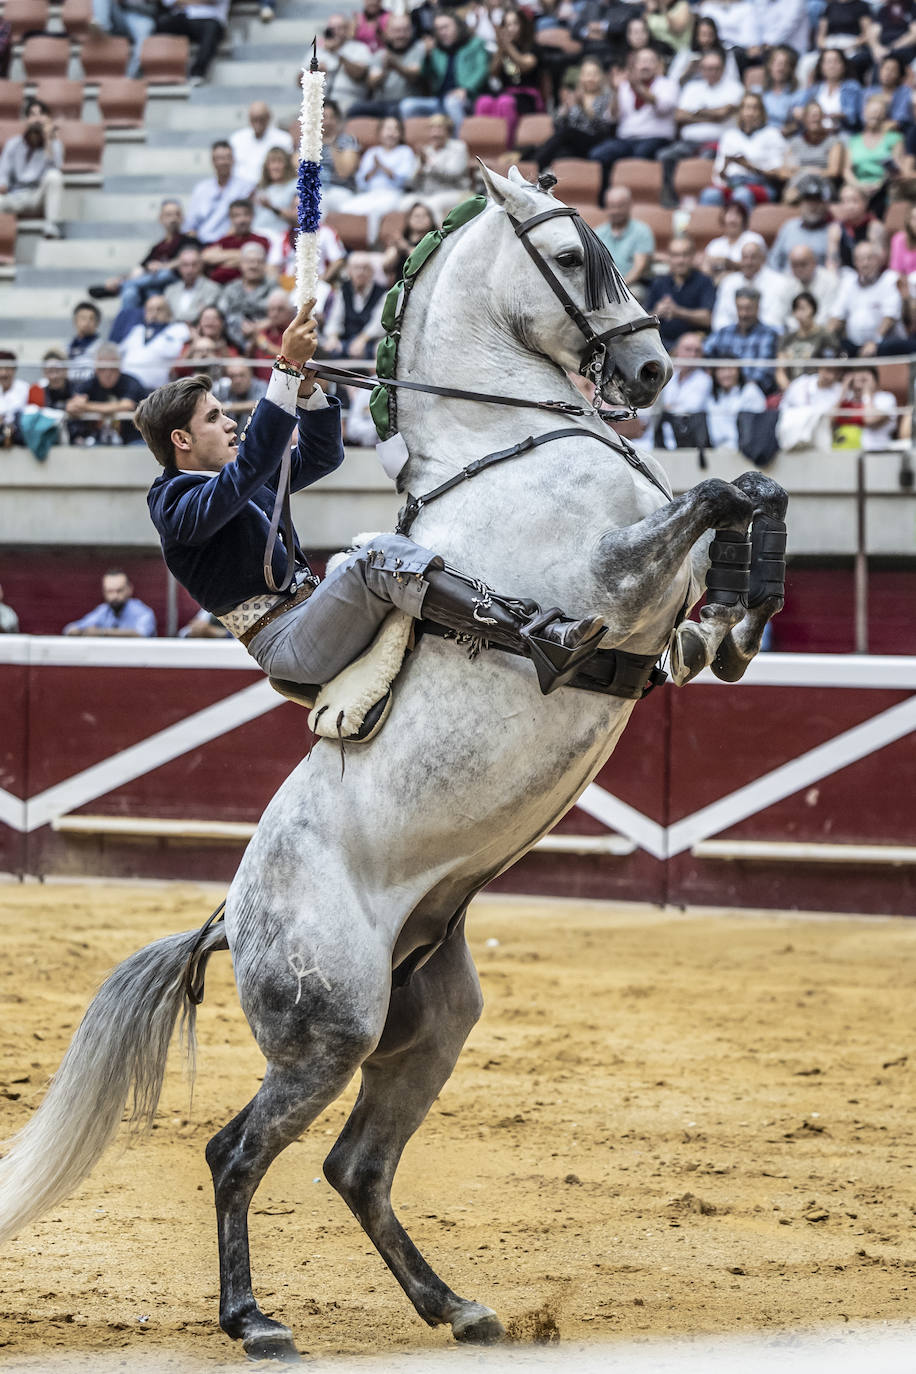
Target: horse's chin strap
column 592, row 361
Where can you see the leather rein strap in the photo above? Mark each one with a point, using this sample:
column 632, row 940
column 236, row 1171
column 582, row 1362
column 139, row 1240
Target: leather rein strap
column 415, row 504
column 281, row 516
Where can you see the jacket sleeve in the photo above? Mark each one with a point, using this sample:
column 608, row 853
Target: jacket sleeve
column 320, row 449
column 199, row 511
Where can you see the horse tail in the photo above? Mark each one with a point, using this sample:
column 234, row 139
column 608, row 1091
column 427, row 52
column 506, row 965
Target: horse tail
column 119, row 1051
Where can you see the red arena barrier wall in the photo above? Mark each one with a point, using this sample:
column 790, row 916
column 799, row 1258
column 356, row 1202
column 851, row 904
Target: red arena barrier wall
column 792, row 789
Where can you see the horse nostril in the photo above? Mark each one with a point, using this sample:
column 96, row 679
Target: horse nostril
column 650, row 374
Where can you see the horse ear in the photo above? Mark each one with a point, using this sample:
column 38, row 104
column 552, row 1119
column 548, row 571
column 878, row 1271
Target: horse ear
column 513, row 193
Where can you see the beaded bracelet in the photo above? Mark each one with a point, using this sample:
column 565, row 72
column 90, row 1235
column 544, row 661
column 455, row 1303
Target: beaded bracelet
column 283, row 364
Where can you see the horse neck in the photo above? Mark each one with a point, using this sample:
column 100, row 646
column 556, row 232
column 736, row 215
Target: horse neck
column 452, row 336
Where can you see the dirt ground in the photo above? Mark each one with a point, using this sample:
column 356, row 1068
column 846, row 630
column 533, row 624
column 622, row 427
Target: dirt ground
column 665, row 1124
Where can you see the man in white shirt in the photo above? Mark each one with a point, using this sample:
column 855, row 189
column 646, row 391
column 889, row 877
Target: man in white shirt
column 868, row 306
column 149, row 350
column 346, row 62
column 685, row 395
column 204, row 23
column 251, row 145
column 737, row 23
column 784, row 23
column 14, row 392
column 208, row 208
column 749, row 159
column 354, row 321
column 754, row 272
column 704, row 105
column 188, row 296
column 806, row 408
column 805, row 274
column 646, row 102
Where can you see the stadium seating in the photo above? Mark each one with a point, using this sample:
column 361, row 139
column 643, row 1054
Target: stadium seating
column 364, row 129
column 26, row 16
column 391, row 226
column 485, row 135
column 352, row 229
column 12, row 97
column 63, row 98
column 533, row 130
column 7, row 238
column 659, row 220
column 104, row 55
column 693, row 175
column 122, row 102
column 45, row 55
column 164, row 59
column 767, row 219
column 416, row 130
column 705, row 223
column 642, row 177
column 76, row 16
column 84, row 145
column 578, row 180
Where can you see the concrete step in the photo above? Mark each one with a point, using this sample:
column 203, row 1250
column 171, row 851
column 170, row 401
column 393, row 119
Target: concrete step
column 269, row 78
column 101, row 208
column 93, row 258
column 170, row 116
column 124, row 159
column 45, row 303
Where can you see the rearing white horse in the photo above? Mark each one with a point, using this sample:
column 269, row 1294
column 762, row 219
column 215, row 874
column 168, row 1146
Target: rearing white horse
column 346, row 917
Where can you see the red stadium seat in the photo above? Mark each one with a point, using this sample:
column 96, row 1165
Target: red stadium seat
column 767, row 219
column 578, row 179
column 104, row 55
column 897, row 215
column 84, row 145
column 164, row 60
column 63, row 98
column 76, row 16
column 122, row 102
column 594, row 215
column 642, row 177
column 416, row 130
column 659, row 220
column 391, row 227
column 7, row 238
column 364, row 129
column 533, row 130
column 693, row 175
column 529, row 170
column 12, row 98
column 705, row 223
column 895, row 377
column 45, row 55
column 9, row 128
column 485, row 135
column 353, row 230
column 26, row 16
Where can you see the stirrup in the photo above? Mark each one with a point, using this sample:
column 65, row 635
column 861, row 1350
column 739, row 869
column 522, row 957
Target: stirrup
column 556, row 664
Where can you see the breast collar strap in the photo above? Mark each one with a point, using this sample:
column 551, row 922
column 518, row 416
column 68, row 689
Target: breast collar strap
column 596, row 343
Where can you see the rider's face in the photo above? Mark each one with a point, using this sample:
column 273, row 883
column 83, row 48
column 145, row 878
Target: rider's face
column 209, row 442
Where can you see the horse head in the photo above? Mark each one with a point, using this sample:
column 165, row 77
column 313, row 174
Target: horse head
column 566, row 299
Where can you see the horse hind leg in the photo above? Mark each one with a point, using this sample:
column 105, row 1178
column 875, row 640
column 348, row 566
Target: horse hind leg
column 428, row 1023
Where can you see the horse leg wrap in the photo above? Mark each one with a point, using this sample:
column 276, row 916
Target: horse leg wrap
column 728, row 575
column 768, row 560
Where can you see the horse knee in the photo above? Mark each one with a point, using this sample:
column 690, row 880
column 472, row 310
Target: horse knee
column 766, row 494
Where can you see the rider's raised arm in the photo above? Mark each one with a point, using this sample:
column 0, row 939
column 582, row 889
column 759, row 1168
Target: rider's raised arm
column 320, row 447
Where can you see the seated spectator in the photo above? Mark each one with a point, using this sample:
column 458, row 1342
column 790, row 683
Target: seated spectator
column 806, row 409
column 513, row 73
column 784, row 23
column 441, row 179
column 750, row 159
column 134, row 20
column 852, row 223
column 747, row 340
column 339, row 161
column 630, row 241
column 806, row 274
column 150, row 349
column 780, row 86
column 892, row 32
column 834, row 90
column 208, row 340
column 192, row 291
column 158, row 268
column 92, row 414
column 874, row 156
column 804, row 339
column 14, row 395
column 346, row 62
column 769, row 285
column 669, row 22
column 120, row 612
column 845, row 27
column 418, row 222
column 203, row 625
column 704, row 38
column 276, row 199
column 810, row 230
column 731, row 395
column 279, row 314
column 738, row 28
column 354, row 321
column 358, row 424
column 204, row 22
column 865, row 415
column 383, row 173
column 9, row 620
column 238, row 388
column 705, row 104
column 684, row 398
column 867, row 308
column 903, row 246
column 583, row 119
column 813, row 153
column 55, row 388
column 637, row 36
column 31, row 180
column 81, row 349
column 645, row 101
column 251, row 144
column 395, row 71
column 372, row 25
column 891, row 87
column 222, row 259
column 682, row 298
column 244, row 301
column 331, row 258
column 455, row 69
column 723, row 254
column 208, row 209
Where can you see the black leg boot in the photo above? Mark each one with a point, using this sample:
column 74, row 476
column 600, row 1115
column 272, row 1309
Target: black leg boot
column 556, row 645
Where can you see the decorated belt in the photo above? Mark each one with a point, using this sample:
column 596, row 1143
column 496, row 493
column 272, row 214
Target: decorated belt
column 251, row 616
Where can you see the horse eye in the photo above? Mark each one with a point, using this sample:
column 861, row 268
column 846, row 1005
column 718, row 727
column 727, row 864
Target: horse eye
column 569, row 258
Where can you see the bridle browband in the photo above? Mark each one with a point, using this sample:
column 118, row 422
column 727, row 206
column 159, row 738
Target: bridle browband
column 593, row 358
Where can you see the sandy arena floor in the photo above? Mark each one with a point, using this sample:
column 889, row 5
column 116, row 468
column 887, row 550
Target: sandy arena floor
column 665, row 1124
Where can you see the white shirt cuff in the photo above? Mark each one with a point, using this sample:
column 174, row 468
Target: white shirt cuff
column 283, row 390
column 317, row 400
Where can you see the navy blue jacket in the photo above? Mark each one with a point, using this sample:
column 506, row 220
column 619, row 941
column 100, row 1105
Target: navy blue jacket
column 213, row 528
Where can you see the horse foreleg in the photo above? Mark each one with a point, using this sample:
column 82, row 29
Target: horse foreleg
column 767, row 578
column 428, row 1023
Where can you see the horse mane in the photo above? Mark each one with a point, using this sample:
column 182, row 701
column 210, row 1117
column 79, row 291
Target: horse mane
column 603, row 282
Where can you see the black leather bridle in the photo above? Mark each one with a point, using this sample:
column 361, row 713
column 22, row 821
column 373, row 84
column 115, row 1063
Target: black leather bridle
column 592, row 362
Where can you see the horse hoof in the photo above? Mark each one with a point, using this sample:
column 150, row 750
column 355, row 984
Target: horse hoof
column 478, row 1326
column 272, row 1345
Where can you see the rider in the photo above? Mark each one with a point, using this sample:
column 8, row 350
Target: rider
column 212, row 506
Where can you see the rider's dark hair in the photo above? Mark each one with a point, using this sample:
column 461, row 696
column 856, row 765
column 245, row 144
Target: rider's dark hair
column 169, row 407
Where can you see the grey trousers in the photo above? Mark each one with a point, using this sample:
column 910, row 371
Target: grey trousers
column 314, row 641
